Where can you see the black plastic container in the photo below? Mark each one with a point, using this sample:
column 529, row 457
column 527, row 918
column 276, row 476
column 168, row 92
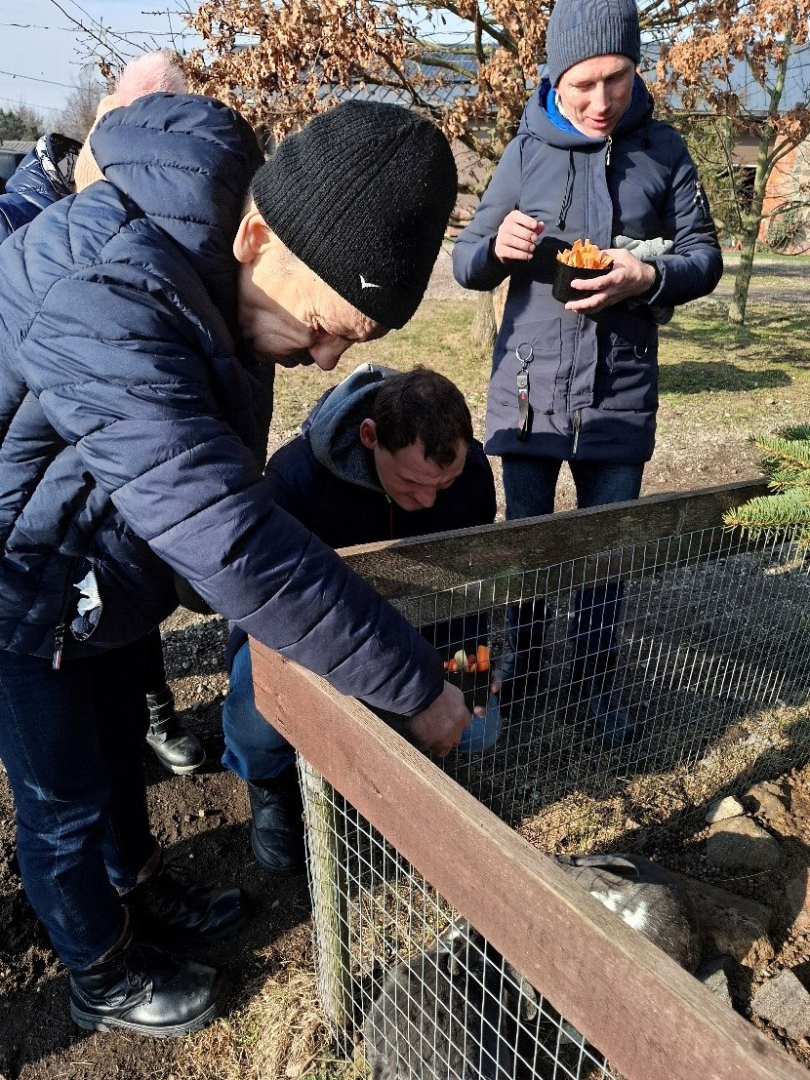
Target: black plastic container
column 563, row 276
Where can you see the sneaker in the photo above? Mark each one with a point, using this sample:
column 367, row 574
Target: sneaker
column 277, row 826
column 170, row 914
column 175, row 748
column 142, row 989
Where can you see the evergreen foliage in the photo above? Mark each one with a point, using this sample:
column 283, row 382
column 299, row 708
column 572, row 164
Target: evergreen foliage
column 786, row 461
column 20, row 124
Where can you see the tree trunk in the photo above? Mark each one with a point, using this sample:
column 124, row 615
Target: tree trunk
column 489, row 316
column 742, row 279
column 483, row 328
column 751, row 222
column 752, row 217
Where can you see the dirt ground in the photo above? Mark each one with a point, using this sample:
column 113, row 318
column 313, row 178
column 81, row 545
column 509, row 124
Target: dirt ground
column 202, row 821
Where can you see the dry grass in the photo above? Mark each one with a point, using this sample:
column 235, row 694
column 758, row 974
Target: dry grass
column 277, row 1034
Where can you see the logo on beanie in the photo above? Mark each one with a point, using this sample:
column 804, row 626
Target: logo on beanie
column 368, row 284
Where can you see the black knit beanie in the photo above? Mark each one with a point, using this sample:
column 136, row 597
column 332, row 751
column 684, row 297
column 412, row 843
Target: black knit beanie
column 581, row 29
column 362, row 196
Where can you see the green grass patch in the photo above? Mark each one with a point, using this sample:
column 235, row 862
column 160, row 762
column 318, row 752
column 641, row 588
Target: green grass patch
column 732, row 375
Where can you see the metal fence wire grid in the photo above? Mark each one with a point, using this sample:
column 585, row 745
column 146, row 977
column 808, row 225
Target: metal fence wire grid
column 628, row 682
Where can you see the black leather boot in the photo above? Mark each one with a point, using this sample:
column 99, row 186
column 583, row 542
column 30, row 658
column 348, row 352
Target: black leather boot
column 173, row 915
column 144, row 990
column 277, row 826
column 175, row 747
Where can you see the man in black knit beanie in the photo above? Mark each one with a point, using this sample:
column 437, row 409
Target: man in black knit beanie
column 142, row 320
column 362, row 196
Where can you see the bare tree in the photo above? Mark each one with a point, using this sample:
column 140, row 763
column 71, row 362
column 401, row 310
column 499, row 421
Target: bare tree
column 79, row 111
column 720, row 51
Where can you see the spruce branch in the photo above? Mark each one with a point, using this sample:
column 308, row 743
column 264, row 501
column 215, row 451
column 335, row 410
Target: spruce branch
column 786, row 461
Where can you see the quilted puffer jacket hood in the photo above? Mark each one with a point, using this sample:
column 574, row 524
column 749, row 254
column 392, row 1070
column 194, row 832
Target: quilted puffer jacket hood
column 186, row 161
column 132, row 418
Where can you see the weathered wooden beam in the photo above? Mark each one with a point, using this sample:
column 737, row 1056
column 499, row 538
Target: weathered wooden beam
column 634, row 1004
column 407, row 568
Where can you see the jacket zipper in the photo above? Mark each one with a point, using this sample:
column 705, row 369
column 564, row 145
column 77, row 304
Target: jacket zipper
column 58, row 645
column 609, row 148
column 577, row 421
column 61, row 627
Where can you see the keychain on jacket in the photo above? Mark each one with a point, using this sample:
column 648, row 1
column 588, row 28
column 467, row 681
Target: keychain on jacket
column 525, row 355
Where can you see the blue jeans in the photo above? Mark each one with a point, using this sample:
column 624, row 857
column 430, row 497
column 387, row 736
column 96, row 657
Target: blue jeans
column 530, row 482
column 254, row 750
column 72, row 744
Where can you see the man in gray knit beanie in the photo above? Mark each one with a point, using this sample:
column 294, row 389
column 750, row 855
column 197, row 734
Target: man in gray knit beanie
column 575, row 379
column 581, row 29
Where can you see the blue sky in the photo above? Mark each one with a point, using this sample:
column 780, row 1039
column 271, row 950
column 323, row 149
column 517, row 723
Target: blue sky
column 41, row 52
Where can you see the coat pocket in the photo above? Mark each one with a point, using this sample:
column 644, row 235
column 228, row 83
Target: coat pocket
column 535, row 347
column 627, row 377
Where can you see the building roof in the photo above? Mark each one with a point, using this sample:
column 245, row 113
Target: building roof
column 16, row 146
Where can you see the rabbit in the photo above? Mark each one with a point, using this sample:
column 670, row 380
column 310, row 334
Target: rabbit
column 645, row 896
column 449, row 1013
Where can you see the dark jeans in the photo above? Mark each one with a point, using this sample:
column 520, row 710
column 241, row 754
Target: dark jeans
column 72, row 743
column 254, row 750
column 530, row 482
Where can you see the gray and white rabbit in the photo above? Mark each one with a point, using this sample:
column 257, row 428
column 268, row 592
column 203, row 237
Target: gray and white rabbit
column 450, row 1013
column 646, row 896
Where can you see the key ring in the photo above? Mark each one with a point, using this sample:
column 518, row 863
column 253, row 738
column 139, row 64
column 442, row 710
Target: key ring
column 524, row 361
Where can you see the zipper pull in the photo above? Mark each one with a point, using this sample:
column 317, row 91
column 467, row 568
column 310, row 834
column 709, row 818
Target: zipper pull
column 700, row 199
column 58, row 646
column 609, row 148
column 577, row 421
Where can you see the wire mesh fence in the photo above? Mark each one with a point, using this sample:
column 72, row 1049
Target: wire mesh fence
column 633, row 686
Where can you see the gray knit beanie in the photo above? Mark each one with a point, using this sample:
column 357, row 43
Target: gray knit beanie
column 581, row 29
column 362, row 196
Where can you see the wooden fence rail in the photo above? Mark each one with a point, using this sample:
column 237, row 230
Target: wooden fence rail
column 650, row 1018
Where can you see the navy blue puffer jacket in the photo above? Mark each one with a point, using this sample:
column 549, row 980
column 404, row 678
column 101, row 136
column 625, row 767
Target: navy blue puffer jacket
column 593, row 381
column 38, row 181
column 130, row 423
